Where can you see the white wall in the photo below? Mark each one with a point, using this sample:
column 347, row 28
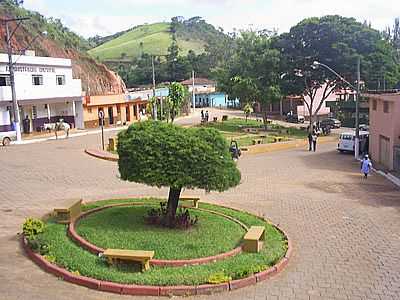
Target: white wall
column 4, row 116
column 303, row 109
column 49, row 68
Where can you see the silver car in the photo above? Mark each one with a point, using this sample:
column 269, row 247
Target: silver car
column 7, row 136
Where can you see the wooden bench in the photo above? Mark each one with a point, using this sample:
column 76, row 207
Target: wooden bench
column 278, row 139
column 257, row 141
column 66, row 215
column 194, row 199
column 112, row 144
column 141, row 256
column 253, row 240
column 224, row 118
column 251, row 130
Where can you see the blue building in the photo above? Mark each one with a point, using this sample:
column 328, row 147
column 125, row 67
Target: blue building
column 216, row 99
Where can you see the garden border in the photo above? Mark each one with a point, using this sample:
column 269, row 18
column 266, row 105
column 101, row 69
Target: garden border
column 155, row 262
column 147, row 290
column 105, row 155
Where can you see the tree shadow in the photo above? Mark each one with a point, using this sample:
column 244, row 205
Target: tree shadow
column 350, row 184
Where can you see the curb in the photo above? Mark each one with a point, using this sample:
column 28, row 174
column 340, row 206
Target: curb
column 155, row 262
column 102, row 154
column 146, row 290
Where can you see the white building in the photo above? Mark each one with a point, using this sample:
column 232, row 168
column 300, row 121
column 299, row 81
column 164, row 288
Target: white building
column 45, row 91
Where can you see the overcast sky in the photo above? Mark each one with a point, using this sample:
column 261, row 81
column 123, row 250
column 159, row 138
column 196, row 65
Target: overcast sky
column 104, row 17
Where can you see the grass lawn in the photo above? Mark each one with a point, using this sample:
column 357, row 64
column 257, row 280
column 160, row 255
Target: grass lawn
column 152, row 39
column 74, row 258
column 232, row 129
column 124, row 228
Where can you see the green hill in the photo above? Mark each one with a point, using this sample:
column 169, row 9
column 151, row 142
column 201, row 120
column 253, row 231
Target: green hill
column 151, row 39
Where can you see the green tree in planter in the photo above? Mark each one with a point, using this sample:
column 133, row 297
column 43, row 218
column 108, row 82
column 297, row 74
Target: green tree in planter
column 177, row 94
column 165, row 155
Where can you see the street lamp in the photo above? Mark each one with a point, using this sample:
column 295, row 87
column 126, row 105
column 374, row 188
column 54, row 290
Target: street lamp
column 316, row 65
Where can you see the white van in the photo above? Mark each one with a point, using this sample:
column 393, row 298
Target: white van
column 346, row 141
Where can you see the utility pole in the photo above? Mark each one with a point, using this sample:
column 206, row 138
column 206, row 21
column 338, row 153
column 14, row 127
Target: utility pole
column 193, row 94
column 16, row 115
column 154, row 90
column 357, row 139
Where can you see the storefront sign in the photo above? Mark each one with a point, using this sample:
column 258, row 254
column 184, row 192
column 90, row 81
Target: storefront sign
column 31, row 69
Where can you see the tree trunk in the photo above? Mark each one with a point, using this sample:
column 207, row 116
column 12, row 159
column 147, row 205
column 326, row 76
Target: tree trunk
column 265, row 117
column 311, row 129
column 173, row 200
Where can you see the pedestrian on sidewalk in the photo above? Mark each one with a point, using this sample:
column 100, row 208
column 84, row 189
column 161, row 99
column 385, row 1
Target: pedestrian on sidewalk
column 366, row 166
column 314, row 140
column 206, row 116
column 202, row 116
column 310, row 141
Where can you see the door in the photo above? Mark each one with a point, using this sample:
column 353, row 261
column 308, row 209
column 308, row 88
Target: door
column 396, row 158
column 111, row 115
column 384, row 151
column 128, row 114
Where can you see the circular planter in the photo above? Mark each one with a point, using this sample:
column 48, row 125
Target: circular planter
column 147, row 290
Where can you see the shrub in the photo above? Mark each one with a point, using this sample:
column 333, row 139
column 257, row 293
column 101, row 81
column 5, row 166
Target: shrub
column 38, row 245
column 218, row 278
column 160, row 217
column 32, row 227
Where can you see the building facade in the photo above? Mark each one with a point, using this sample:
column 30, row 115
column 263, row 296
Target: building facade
column 118, row 109
column 45, row 90
column 384, row 139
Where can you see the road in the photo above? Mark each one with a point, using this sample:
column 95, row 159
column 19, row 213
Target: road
column 345, row 230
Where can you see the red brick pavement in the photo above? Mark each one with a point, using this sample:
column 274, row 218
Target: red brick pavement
column 345, row 230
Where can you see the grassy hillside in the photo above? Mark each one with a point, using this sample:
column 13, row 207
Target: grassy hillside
column 151, row 39
column 59, row 42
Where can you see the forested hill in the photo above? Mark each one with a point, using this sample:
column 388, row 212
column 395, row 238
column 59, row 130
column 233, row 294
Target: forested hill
column 154, row 39
column 59, row 42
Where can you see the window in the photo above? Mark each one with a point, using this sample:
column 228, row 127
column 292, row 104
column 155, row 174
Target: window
column 60, row 79
column 374, row 104
column 5, row 80
column 386, row 106
column 37, row 79
column 89, row 110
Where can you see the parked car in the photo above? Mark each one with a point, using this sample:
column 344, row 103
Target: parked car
column 7, row 136
column 346, row 142
column 333, row 123
column 292, row 118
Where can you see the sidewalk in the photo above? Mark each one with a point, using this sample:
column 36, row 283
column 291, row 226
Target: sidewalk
column 83, row 132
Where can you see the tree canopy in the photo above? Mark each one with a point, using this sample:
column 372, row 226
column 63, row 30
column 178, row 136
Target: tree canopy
column 165, row 155
column 336, row 42
column 252, row 72
column 177, row 94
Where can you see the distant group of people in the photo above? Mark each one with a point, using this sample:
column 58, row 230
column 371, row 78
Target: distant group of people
column 204, row 116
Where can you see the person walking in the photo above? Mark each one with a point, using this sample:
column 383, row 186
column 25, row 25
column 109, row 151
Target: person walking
column 310, row 141
column 206, row 116
column 202, row 116
column 314, row 140
column 366, row 166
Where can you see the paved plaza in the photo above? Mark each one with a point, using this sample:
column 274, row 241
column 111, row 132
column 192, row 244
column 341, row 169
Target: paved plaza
column 345, row 230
